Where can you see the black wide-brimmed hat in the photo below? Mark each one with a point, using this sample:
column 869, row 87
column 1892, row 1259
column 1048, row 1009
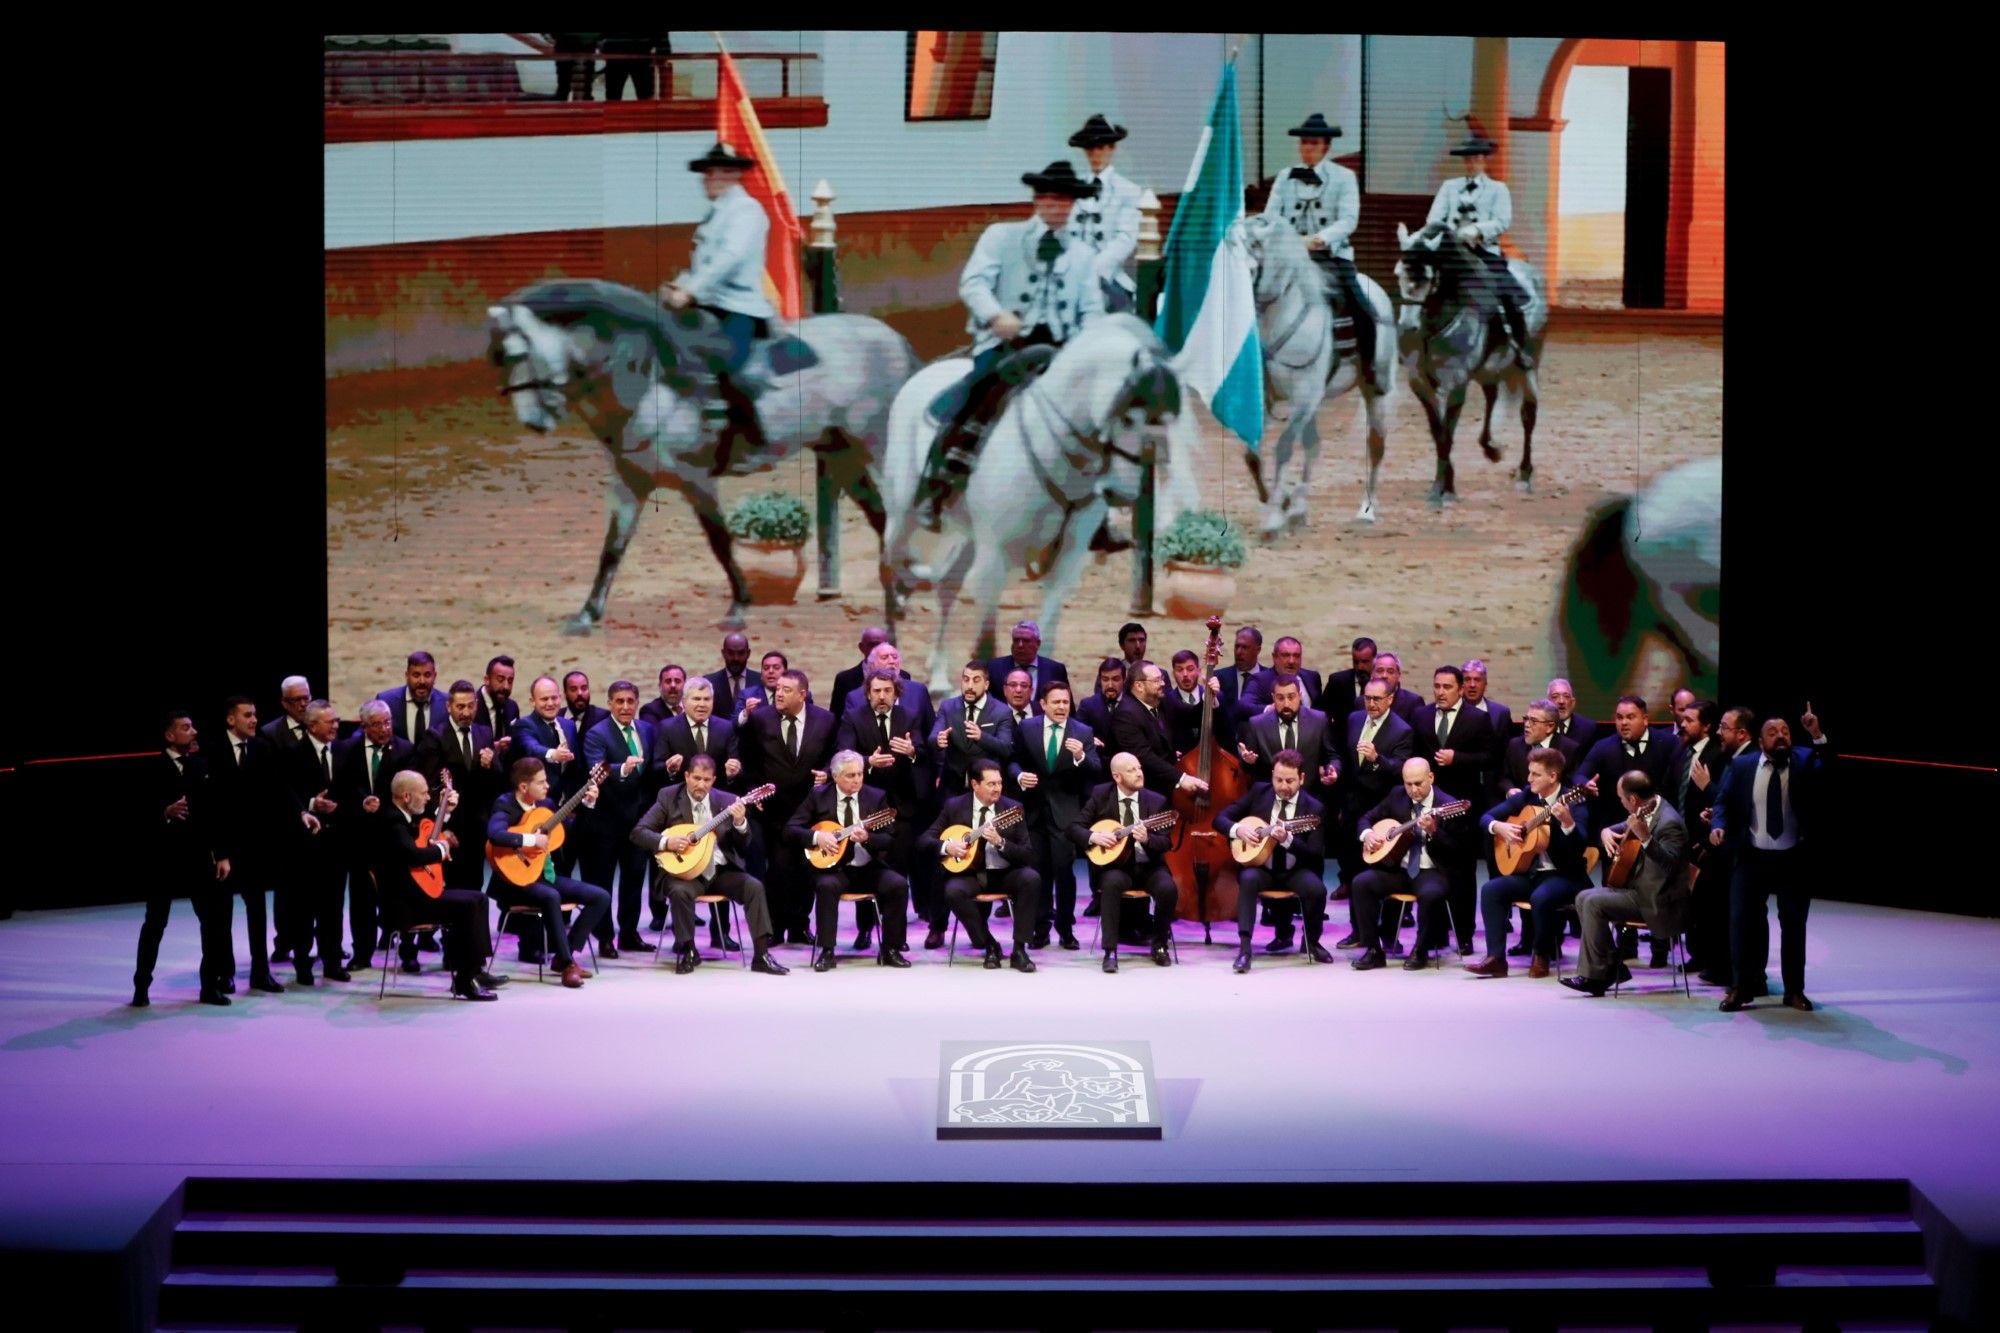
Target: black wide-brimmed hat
column 1476, row 146
column 722, row 155
column 1060, row 178
column 1096, row 132
column 1315, row 127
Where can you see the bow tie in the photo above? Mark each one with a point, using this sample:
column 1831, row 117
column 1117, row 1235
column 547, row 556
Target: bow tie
column 1048, row 248
column 1472, row 186
column 1305, row 174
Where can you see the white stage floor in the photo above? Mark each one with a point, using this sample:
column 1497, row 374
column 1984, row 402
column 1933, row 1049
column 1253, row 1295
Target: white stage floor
column 1290, row 1073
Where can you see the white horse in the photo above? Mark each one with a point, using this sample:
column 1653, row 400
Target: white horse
column 1295, row 325
column 623, row 363
column 1065, row 448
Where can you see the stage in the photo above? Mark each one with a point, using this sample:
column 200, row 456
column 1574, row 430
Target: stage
column 1291, row 1073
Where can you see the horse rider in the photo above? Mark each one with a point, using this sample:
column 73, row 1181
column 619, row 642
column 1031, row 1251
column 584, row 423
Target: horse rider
column 1109, row 222
column 725, row 277
column 1029, row 286
column 1322, row 201
column 1479, row 210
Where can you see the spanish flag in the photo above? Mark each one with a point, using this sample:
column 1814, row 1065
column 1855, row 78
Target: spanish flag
column 736, row 123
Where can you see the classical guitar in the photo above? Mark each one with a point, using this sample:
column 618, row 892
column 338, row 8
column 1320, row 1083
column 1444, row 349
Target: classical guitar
column 1104, row 856
column 701, row 837
column 430, row 829
column 1630, row 849
column 828, row 858
column 958, row 865
column 1259, row 852
column 1395, row 838
column 521, row 867
column 1533, row 821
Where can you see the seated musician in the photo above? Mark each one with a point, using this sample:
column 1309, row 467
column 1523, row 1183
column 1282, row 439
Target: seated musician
column 1143, row 862
column 1297, row 863
column 468, row 939
column 1005, row 864
column 531, row 789
column 843, row 800
column 1549, row 885
column 1439, row 852
column 695, row 800
column 1655, row 892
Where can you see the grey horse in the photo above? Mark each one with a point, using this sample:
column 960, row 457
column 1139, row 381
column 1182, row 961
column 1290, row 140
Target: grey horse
column 1296, row 327
column 1445, row 336
column 628, row 367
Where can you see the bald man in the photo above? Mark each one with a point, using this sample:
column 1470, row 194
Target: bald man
column 1439, row 854
column 467, row 938
column 1141, row 864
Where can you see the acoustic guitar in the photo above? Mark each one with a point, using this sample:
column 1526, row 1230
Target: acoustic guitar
column 521, row 867
column 828, row 858
column 1395, row 844
column 1533, row 822
column 430, row 878
column 1630, row 849
column 1257, row 853
column 701, row 847
column 1104, row 856
column 958, row 865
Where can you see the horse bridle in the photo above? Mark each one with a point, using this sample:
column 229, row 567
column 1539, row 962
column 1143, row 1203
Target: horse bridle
column 1102, row 436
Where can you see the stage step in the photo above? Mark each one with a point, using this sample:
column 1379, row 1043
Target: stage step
column 948, row 1256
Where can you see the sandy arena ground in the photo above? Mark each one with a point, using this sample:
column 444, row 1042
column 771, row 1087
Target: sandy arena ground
column 451, row 528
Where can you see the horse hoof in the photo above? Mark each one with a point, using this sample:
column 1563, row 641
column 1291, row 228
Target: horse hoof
column 578, row 626
column 1365, row 514
column 1492, row 454
column 1297, row 518
column 1524, row 482
column 1437, row 497
column 735, row 618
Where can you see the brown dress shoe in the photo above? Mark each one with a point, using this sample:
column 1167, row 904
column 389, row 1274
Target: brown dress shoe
column 1538, row 966
column 1488, row 967
column 1797, row 1000
column 573, row 976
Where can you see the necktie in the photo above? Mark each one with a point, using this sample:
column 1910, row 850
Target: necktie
column 1414, row 862
column 1471, row 186
column 977, row 825
column 847, row 812
column 1281, row 814
column 1020, row 716
column 1055, row 743
column 326, row 765
column 700, row 813
column 792, row 736
column 242, row 754
column 882, row 726
column 465, row 745
column 374, row 764
column 1774, row 804
column 424, row 714
column 548, row 859
column 1289, row 739
column 631, row 741
column 1048, row 248
column 1130, row 818
column 1444, row 724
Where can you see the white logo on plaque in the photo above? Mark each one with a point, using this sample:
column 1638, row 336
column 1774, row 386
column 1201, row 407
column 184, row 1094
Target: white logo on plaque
column 1047, row 1084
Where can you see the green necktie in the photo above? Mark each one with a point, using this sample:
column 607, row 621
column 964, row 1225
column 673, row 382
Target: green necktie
column 1055, row 744
column 1049, row 248
column 631, row 741
column 374, row 764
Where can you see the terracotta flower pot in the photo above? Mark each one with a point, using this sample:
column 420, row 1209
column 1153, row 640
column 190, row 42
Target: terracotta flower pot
column 774, row 570
column 1196, row 592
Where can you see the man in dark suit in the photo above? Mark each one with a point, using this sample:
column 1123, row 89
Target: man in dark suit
column 547, row 894
column 577, row 706
column 1343, row 688
column 1140, row 726
column 787, row 745
column 882, row 727
column 673, row 689
column 468, row 937
column 249, row 813
column 1094, row 711
column 622, row 742
column 1735, row 736
column 1027, row 656
column 414, row 707
column 864, row 867
column 850, row 679
column 695, row 730
column 289, row 727
column 1631, row 746
column 1017, row 693
column 1768, row 816
column 546, row 733
column 189, row 858
column 1054, row 768
column 1538, row 728
column 1371, row 763
column 1656, row 892
column 695, row 800
column 1291, row 725
column 735, row 677
column 1132, row 644
column 1549, row 884
column 1496, row 712
column 1569, row 722
column 364, row 765
column 1185, row 693
column 1699, row 752
column 1439, row 857
column 1003, row 862
column 1297, row 862
column 497, row 711
column 1456, row 740
column 1403, row 703
column 1141, row 865
column 760, row 693
column 465, row 748
column 1234, row 694
column 321, row 855
column 917, row 699
column 1287, row 659
column 970, row 725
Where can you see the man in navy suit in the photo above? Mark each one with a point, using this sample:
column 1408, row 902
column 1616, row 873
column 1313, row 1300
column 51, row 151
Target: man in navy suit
column 546, row 733
column 1027, row 656
column 1003, row 861
column 1141, row 865
column 849, row 680
column 1403, row 703
column 1343, row 688
column 364, row 766
column 1767, row 815
column 1497, row 713
column 414, row 707
column 1569, row 722
column 1736, row 734
column 694, row 800
column 577, row 706
column 1297, row 863
column 1094, row 710
column 1292, row 724
column 673, row 687
column 887, row 732
column 1371, row 763
column 695, row 730
column 734, row 679
column 1287, row 659
column 787, row 745
column 457, row 743
column 970, row 725
column 1455, row 738
column 1185, row 694
column 1055, row 765
column 1235, row 694
column 547, row 894
column 1017, row 693
column 497, row 710
column 1439, row 858
column 1550, row 884
column 864, row 868
column 1632, row 745
column 888, row 657
column 622, row 742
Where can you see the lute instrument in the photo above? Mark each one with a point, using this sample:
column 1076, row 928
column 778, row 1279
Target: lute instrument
column 829, row 857
column 958, row 865
column 701, row 846
column 1104, row 856
column 1247, row 853
column 1395, row 838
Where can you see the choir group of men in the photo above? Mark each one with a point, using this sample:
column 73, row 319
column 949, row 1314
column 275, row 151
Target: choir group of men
column 977, row 807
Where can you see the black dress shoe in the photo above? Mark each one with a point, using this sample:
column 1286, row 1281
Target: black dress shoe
column 686, row 962
column 1519, row 951
column 1797, row 1000
column 1586, row 985
column 1161, row 958
column 1242, row 963
column 488, row 980
column 797, row 937
column 890, row 958
column 1281, row 942
column 634, row 943
column 934, row 940
column 304, row 979
column 1111, row 962
column 1003, row 909
column 1040, row 939
column 768, row 965
column 607, row 950
column 470, row 989
column 1708, row 976
column 1417, row 961
column 266, row 984
column 1068, row 941
column 1317, row 952
column 335, row 972
column 1733, row 1002
column 229, row 986
column 214, row 997
column 1092, row 909
column 1022, row 963
column 140, row 1000
column 1368, row 961
column 531, row 957
column 724, row 943
column 1394, row 948
column 1352, row 941
column 1662, row 957
column 360, row 962
column 412, row 966
column 1620, row 975
column 864, row 941
column 994, row 958
column 660, row 923
column 825, row 961
column 1465, row 951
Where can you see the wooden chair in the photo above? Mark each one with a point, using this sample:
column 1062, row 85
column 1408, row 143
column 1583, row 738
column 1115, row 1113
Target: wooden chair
column 728, row 927
column 1173, row 941
column 951, row 954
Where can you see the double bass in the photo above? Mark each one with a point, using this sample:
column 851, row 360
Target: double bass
column 1198, row 855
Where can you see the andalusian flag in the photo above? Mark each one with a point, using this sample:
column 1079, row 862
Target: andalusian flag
column 736, row 125
column 1208, row 307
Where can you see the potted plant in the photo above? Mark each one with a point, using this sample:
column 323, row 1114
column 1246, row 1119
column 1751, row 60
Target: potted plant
column 1199, row 552
column 770, row 530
